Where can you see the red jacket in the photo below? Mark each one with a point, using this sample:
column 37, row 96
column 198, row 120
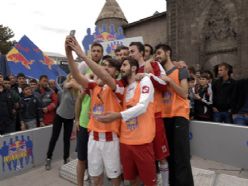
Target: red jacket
column 49, row 100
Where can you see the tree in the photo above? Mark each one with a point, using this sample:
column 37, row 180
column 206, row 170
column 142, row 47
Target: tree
column 5, row 35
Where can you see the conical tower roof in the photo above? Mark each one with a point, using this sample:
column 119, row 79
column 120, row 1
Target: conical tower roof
column 111, row 9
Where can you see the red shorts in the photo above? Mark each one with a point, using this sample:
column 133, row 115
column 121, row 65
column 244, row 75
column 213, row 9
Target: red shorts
column 138, row 160
column 160, row 143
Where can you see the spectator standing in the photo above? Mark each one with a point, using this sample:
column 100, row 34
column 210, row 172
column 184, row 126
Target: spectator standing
column 30, row 109
column 203, row 99
column 240, row 103
column 222, row 94
column 21, row 80
column 7, row 110
column 48, row 99
column 65, row 114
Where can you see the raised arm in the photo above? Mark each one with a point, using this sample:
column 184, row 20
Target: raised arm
column 81, row 79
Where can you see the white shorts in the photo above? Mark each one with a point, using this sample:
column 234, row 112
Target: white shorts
column 104, row 155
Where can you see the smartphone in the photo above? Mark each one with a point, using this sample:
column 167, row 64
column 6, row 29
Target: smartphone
column 72, row 33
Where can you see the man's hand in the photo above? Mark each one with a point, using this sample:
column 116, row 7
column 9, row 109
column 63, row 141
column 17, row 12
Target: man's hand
column 108, row 117
column 215, row 109
column 77, row 125
column 23, row 127
column 139, row 76
column 74, row 45
column 42, row 124
column 165, row 78
column 45, row 110
column 197, row 96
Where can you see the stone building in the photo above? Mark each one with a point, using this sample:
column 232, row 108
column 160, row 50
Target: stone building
column 203, row 33
column 210, row 32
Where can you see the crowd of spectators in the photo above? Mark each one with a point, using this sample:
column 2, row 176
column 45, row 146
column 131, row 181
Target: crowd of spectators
column 26, row 103
column 221, row 99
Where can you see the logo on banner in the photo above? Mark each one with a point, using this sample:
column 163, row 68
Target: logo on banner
column 103, row 36
column 16, row 153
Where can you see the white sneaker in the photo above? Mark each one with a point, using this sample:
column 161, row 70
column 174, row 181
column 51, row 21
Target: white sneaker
column 86, row 175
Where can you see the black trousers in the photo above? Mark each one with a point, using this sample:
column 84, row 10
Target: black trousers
column 57, row 124
column 177, row 132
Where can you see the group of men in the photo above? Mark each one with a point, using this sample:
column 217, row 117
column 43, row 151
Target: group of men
column 127, row 122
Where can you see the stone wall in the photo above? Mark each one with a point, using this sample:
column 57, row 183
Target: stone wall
column 209, row 32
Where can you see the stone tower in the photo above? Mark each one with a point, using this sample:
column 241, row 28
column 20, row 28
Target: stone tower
column 111, row 14
column 209, row 32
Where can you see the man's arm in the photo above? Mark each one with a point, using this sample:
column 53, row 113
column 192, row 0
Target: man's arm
column 181, row 89
column 147, row 94
column 96, row 68
column 78, row 105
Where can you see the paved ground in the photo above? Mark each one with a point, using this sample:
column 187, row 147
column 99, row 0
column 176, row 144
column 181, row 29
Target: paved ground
column 40, row 177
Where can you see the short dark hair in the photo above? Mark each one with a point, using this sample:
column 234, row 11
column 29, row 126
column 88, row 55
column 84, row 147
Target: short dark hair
column 164, row 47
column 114, row 63
column 118, row 49
column 106, row 57
column 20, row 75
column 122, row 47
column 132, row 62
column 96, row 44
column 25, row 86
column 33, row 81
column 6, row 79
column 147, row 45
column 227, row 67
column 204, row 75
column 43, row 76
column 139, row 45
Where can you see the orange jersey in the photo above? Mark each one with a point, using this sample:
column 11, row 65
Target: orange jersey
column 174, row 105
column 103, row 99
column 141, row 129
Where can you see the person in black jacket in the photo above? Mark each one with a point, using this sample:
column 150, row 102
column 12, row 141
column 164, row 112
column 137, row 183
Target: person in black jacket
column 222, row 94
column 7, row 110
column 240, row 102
column 30, row 109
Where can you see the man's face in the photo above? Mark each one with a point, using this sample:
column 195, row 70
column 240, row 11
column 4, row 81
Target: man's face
column 161, row 56
column 6, row 84
column 124, row 53
column 125, row 69
column 135, row 53
column 147, row 53
column 222, row 71
column 43, row 82
column 96, row 53
column 27, row 91
column 33, row 86
column 12, row 79
column 21, row 81
column 118, row 55
column 203, row 81
column 110, row 69
column 52, row 84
